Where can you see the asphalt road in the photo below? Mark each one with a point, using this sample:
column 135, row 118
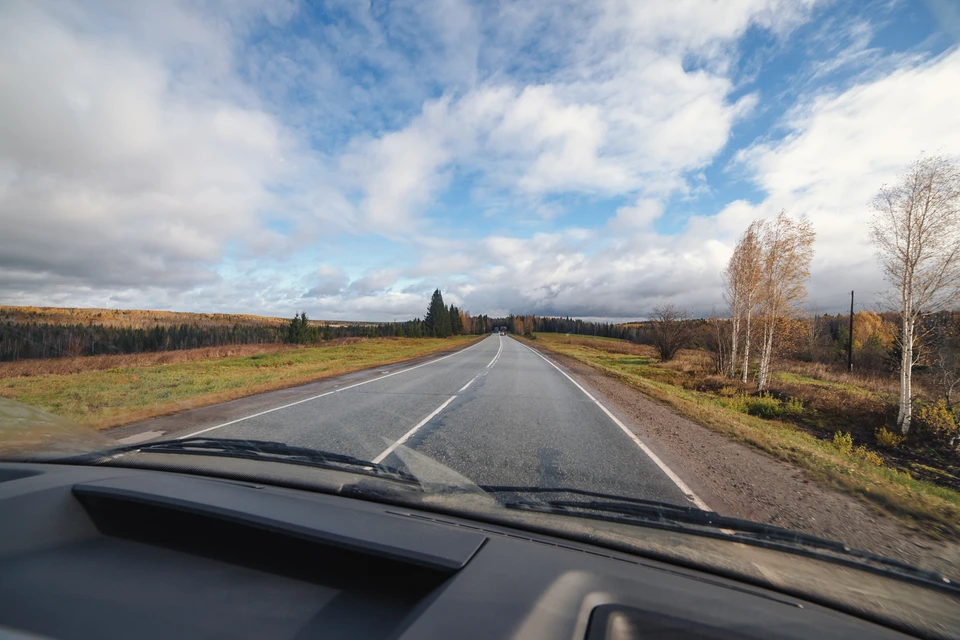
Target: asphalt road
column 496, row 413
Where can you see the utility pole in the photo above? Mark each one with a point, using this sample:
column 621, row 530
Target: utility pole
column 850, row 344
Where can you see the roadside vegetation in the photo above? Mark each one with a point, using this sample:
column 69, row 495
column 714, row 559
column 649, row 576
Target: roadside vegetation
column 141, row 386
column 867, row 401
column 114, row 367
column 830, row 423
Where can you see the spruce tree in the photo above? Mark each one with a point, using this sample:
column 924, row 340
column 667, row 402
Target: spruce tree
column 297, row 332
column 437, row 321
column 456, row 323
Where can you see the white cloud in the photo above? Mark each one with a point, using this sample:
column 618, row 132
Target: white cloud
column 155, row 159
column 117, row 171
column 329, row 281
column 838, row 150
column 841, row 148
column 639, row 215
column 374, row 281
column 621, row 114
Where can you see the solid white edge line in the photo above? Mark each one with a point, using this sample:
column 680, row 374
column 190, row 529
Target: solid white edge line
column 691, row 496
column 412, row 431
column 328, row 393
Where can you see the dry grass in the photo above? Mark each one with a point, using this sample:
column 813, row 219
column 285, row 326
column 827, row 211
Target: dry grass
column 833, row 375
column 718, row 403
column 121, row 395
column 66, row 366
column 610, row 345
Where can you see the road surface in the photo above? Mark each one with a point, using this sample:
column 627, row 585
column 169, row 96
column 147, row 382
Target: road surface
column 497, row 413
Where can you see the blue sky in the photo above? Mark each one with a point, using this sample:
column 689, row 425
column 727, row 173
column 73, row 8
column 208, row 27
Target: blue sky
column 346, row 158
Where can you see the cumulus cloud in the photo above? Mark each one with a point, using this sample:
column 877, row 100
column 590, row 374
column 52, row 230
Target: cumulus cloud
column 208, row 157
column 621, row 114
column 329, row 281
column 113, row 173
column 639, row 215
column 840, row 148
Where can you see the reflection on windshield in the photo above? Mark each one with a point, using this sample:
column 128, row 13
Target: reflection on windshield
column 25, row 429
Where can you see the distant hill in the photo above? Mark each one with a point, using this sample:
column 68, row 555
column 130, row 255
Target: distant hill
column 144, row 318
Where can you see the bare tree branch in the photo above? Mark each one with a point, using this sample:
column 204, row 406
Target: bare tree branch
column 671, row 330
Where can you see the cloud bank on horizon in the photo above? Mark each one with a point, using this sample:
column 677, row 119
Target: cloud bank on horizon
column 589, row 159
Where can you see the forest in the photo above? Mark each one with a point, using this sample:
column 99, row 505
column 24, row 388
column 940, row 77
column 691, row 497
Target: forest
column 47, row 332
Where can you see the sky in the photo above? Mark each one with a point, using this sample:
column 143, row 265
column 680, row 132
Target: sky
column 346, row 158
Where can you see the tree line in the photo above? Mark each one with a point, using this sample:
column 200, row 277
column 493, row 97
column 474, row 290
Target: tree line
column 30, row 339
column 440, row 321
column 25, row 340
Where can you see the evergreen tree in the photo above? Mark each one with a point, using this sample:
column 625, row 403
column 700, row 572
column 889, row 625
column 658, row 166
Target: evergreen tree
column 456, row 322
column 437, row 321
column 297, row 333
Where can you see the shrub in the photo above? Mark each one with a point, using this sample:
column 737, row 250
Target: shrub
column 728, row 392
column 843, row 442
column 888, row 439
column 737, row 403
column 793, row 407
column 936, row 421
column 765, row 406
column 864, row 454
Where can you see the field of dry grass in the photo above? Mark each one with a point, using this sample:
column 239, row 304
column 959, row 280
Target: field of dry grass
column 146, row 385
column 66, row 366
column 796, row 423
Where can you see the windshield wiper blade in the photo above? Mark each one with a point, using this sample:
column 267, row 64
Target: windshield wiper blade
column 264, row 450
column 658, row 511
column 491, row 488
column 693, row 520
column 690, row 516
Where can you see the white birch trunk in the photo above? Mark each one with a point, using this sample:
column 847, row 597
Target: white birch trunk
column 746, row 350
column 765, row 355
column 905, row 414
column 734, row 338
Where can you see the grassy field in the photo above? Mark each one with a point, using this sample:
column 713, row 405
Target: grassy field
column 102, row 398
column 931, row 507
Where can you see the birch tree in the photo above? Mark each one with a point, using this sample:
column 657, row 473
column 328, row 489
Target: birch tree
column 916, row 229
column 741, row 281
column 787, row 247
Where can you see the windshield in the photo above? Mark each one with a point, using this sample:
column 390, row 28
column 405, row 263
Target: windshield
column 687, row 267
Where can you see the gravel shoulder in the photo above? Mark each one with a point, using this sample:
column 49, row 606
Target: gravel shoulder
column 737, row 481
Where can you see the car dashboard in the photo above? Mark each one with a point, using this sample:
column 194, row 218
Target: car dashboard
column 106, row 552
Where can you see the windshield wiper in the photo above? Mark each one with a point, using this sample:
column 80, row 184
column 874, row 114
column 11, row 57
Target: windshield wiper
column 652, row 510
column 263, row 450
column 688, row 519
column 498, row 488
